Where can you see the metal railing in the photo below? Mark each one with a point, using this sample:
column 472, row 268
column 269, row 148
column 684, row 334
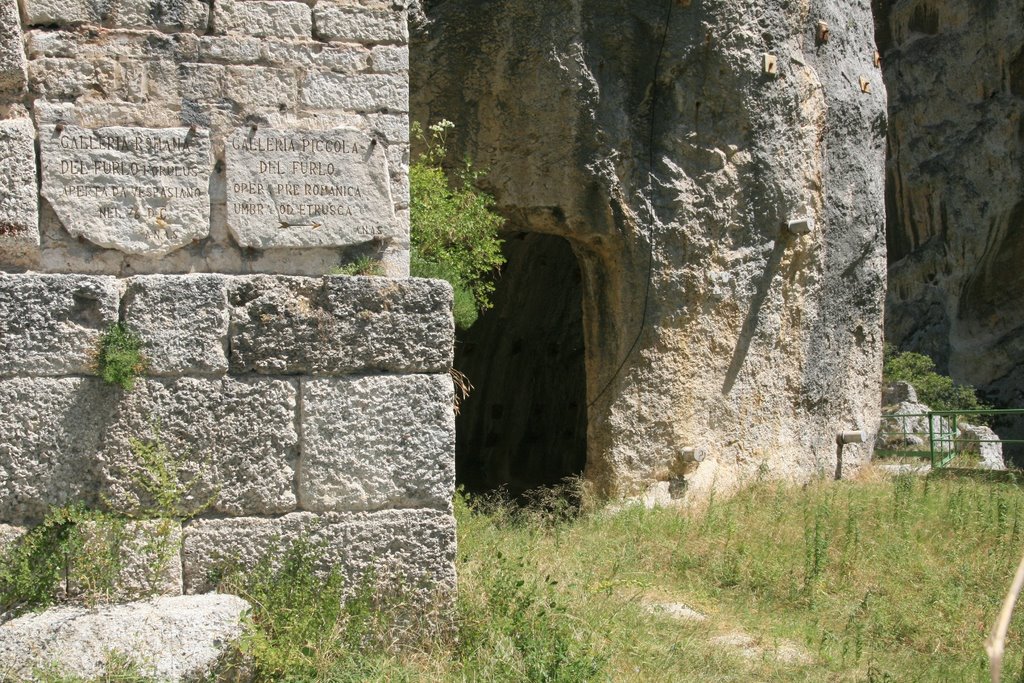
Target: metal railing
column 941, row 436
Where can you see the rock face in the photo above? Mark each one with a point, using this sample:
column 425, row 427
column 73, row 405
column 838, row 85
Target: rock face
column 955, row 180
column 186, row 638
column 673, row 144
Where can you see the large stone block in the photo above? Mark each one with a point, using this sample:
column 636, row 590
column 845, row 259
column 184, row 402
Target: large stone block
column 183, row 321
column 377, row 442
column 336, row 21
column 12, row 52
column 138, row 190
column 184, row 638
column 340, row 325
column 296, row 188
column 50, row 433
column 169, row 15
column 232, row 444
column 19, row 202
column 263, row 18
column 410, row 548
column 355, row 92
column 52, row 324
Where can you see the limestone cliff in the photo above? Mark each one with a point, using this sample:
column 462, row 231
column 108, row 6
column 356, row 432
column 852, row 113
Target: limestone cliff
column 955, row 72
column 671, row 143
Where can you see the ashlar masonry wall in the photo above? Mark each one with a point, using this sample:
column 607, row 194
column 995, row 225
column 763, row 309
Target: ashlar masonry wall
column 176, row 136
column 192, row 170
column 296, row 406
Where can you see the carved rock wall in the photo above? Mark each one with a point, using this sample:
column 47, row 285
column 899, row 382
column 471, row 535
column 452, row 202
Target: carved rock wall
column 655, row 139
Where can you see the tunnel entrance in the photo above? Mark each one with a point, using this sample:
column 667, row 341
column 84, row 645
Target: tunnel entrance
column 525, row 424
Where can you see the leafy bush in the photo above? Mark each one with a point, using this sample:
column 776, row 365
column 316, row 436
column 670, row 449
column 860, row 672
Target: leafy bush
column 934, row 390
column 120, row 359
column 454, row 228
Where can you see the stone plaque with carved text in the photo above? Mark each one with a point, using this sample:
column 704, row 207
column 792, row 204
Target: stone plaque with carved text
column 288, row 188
column 138, row 190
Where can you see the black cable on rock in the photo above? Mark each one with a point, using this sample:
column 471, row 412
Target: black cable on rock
column 650, row 205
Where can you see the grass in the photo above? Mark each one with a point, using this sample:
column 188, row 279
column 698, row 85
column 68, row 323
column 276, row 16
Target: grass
column 869, row 580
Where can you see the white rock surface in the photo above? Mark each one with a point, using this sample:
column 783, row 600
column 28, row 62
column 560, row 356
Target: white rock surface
column 982, row 440
column 50, row 432
column 183, row 15
column 182, row 320
column 184, row 638
column 236, row 440
column 340, row 325
column 138, row 190
column 307, row 188
column 410, row 548
column 19, row 203
column 377, row 442
column 348, row 23
column 263, row 18
column 12, row 53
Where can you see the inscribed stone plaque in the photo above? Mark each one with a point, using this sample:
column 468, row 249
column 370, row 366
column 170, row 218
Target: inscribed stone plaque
column 139, row 190
column 307, row 188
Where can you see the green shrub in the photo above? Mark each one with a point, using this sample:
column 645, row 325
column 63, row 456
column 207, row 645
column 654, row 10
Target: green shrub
column 934, row 390
column 120, row 358
column 454, row 228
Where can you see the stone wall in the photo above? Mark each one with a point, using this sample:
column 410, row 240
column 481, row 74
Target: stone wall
column 175, row 136
column 292, row 406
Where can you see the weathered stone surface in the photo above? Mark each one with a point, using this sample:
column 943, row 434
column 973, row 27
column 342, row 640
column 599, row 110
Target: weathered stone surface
column 377, row 442
column 356, row 92
column 183, row 321
column 981, row 440
column 308, row 188
column 704, row 323
column 340, row 325
column 51, row 431
column 234, row 443
column 413, row 548
column 898, row 392
column 263, row 18
column 955, row 190
column 52, row 324
column 173, row 15
column 12, row 52
column 8, row 535
column 19, row 203
column 138, row 190
column 185, row 638
column 336, row 21
column 143, row 558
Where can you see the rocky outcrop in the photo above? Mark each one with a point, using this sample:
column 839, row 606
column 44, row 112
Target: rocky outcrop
column 955, row 74
column 672, row 144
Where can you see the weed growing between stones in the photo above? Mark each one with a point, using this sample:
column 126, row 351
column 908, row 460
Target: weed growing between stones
column 363, row 265
column 119, row 359
column 79, row 554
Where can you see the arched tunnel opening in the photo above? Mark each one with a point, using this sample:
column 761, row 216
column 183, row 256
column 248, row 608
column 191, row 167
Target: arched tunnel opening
column 524, row 425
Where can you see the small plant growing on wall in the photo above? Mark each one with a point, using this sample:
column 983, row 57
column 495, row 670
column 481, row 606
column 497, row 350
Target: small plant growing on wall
column 120, row 360
column 454, row 227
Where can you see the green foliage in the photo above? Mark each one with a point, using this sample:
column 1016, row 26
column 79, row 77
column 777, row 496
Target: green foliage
column 77, row 552
column 159, row 479
column 454, row 228
column 934, row 390
column 363, row 265
column 120, row 358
